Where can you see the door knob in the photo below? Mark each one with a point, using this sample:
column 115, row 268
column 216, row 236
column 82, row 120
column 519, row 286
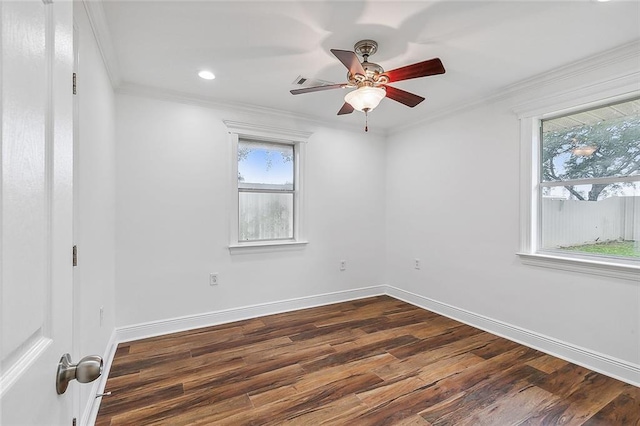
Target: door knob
column 87, row 370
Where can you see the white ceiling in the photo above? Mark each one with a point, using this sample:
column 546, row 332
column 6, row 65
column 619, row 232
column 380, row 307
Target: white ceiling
column 257, row 49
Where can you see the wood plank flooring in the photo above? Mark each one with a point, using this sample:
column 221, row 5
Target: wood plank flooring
column 376, row 361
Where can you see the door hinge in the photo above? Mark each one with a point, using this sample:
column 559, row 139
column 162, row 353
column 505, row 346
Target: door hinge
column 74, row 421
column 75, row 255
column 75, row 88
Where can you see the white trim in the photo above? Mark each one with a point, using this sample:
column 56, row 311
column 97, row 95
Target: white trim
column 268, row 133
column 234, row 223
column 299, row 201
column 590, row 97
column 595, row 99
column 205, row 102
column 528, row 179
column 525, row 90
column 525, row 97
column 605, row 364
column 102, row 35
column 602, row 363
column 189, row 322
column 625, row 271
column 90, row 412
column 264, row 246
column 564, row 101
column 628, row 52
column 589, row 181
column 295, row 138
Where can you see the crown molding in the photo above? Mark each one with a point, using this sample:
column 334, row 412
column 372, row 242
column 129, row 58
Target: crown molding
column 611, row 89
column 180, row 97
column 621, row 63
column 98, row 22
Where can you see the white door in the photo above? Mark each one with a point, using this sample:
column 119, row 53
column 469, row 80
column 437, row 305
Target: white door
column 36, row 62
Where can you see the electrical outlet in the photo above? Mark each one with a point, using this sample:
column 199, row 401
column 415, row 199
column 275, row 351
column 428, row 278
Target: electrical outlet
column 416, row 263
column 343, row 265
column 101, row 315
column 213, row 278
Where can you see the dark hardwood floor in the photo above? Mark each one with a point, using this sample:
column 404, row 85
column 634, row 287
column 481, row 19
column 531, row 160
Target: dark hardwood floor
column 377, row 361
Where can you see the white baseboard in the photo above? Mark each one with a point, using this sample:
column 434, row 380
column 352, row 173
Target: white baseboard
column 610, row 366
column 189, row 322
column 605, row 364
column 90, row 412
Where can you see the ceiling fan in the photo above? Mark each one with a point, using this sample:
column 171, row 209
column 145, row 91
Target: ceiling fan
column 371, row 81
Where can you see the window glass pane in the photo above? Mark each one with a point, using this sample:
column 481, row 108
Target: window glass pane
column 265, row 216
column 602, row 142
column 607, row 226
column 265, row 166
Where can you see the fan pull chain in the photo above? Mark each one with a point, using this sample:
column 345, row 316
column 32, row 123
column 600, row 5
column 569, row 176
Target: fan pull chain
column 366, row 120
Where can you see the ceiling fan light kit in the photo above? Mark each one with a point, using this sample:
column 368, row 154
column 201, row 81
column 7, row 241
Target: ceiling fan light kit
column 370, row 80
column 366, row 98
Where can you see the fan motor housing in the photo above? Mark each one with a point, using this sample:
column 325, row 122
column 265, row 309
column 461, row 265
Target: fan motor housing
column 373, row 71
column 373, row 74
column 372, row 68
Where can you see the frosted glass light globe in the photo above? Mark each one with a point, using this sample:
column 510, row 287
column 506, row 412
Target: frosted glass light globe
column 365, row 98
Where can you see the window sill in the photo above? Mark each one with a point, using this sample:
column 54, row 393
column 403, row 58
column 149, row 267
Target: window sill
column 626, row 271
column 263, row 246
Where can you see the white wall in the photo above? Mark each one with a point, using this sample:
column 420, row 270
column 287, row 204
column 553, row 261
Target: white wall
column 379, row 203
column 464, row 170
column 94, row 181
column 173, row 186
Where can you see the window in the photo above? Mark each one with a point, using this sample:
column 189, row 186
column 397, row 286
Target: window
column 590, row 182
column 267, row 186
column 265, row 191
column 585, row 168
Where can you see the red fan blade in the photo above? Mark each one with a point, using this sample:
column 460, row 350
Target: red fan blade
column 318, row 88
column 406, row 98
column 350, row 60
column 346, row 109
column 421, row 69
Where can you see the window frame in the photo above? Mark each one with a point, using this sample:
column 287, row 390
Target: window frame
column 292, row 191
column 530, row 196
column 267, row 134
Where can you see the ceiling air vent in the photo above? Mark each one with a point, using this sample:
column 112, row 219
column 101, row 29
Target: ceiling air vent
column 310, row 82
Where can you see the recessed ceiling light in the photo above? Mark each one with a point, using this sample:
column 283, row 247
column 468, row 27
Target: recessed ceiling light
column 207, row 75
column 603, row 1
